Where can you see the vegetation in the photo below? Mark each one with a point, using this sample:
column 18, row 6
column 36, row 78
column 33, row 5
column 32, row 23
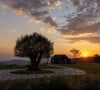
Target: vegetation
column 21, row 72
column 35, row 47
column 35, row 84
column 53, row 83
column 90, row 81
column 75, row 52
column 97, row 58
column 42, row 66
column 89, row 68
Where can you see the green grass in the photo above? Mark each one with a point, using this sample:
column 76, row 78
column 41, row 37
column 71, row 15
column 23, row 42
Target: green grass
column 13, row 67
column 90, row 81
column 42, row 66
column 47, row 66
column 89, row 68
column 54, row 83
column 92, row 70
column 22, row 72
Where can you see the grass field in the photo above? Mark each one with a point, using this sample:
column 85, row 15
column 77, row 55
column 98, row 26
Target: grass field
column 42, row 66
column 90, row 81
column 89, row 68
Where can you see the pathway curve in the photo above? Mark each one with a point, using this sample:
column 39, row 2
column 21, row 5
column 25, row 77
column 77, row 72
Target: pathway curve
column 6, row 75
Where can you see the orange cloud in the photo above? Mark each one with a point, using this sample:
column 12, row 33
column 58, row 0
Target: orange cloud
column 19, row 11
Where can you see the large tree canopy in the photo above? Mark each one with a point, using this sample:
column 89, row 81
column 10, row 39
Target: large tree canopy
column 35, row 47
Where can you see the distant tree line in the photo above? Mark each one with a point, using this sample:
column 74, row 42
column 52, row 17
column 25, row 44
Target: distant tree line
column 96, row 58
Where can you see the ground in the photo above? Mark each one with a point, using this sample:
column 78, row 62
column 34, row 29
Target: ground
column 12, row 74
column 88, row 81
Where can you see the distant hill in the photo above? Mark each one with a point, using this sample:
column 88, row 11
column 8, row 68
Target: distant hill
column 20, row 62
column 15, row 62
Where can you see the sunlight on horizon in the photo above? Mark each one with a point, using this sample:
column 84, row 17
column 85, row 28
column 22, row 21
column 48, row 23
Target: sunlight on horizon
column 85, row 54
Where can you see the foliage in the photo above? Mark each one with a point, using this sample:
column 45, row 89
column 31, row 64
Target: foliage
column 35, row 47
column 75, row 52
column 97, row 58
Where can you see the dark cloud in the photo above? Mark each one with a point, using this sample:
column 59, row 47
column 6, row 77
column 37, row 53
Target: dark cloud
column 85, row 19
column 38, row 9
column 50, row 21
column 81, row 25
column 85, row 4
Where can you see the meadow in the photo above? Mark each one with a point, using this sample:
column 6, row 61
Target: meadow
column 89, row 68
column 42, row 66
column 90, row 81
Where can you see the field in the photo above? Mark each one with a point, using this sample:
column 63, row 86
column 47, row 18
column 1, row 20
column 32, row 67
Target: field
column 90, row 81
column 42, row 66
column 89, row 68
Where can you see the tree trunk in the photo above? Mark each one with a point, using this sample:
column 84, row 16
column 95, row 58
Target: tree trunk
column 35, row 60
column 39, row 57
column 33, row 66
column 47, row 60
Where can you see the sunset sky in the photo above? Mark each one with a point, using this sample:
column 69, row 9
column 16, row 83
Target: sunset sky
column 68, row 23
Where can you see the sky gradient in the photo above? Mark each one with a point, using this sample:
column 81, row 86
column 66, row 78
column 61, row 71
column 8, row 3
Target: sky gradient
column 68, row 23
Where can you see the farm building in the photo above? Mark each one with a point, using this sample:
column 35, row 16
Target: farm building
column 60, row 59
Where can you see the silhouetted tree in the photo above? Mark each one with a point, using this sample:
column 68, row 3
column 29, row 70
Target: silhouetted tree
column 48, row 56
column 75, row 52
column 35, row 47
column 97, row 58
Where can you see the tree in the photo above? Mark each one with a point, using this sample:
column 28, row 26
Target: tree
column 35, row 47
column 96, row 58
column 75, row 52
column 48, row 56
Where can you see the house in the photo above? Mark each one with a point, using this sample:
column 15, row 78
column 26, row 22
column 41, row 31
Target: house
column 60, row 59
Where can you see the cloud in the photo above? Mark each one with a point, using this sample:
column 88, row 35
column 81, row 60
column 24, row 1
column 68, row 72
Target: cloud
column 34, row 20
column 82, row 29
column 48, row 31
column 80, row 25
column 84, row 18
column 19, row 11
column 91, row 39
column 37, row 9
column 13, row 30
column 49, row 20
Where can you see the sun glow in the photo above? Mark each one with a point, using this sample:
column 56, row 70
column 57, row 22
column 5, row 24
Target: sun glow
column 85, row 54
